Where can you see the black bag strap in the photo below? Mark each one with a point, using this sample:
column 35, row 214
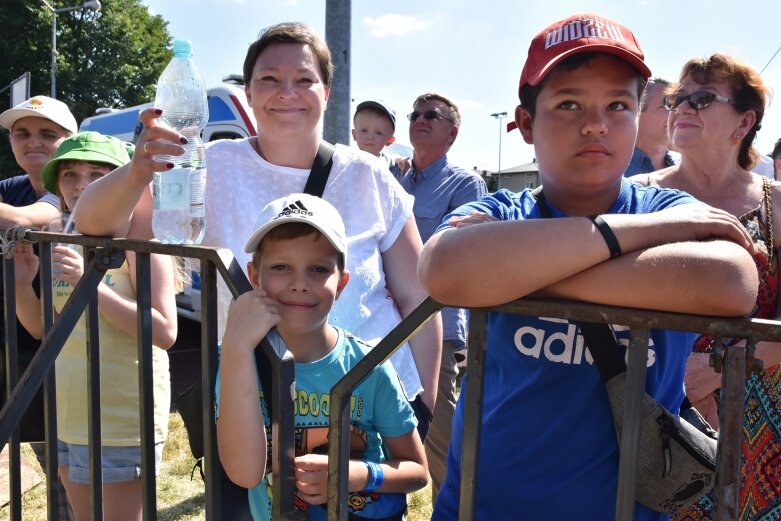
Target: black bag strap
column 321, row 168
column 315, row 185
column 600, row 339
column 602, row 345
column 539, row 196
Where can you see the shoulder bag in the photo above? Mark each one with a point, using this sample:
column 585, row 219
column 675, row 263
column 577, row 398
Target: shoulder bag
column 677, row 460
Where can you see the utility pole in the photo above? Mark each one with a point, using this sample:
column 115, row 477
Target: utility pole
column 499, row 116
column 92, row 5
column 336, row 126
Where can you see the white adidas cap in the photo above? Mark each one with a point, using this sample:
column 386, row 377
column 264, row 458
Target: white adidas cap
column 301, row 208
column 41, row 107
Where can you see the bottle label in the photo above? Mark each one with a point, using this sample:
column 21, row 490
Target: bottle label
column 171, row 191
column 197, row 186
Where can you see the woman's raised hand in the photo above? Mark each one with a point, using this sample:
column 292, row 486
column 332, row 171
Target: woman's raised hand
column 155, row 140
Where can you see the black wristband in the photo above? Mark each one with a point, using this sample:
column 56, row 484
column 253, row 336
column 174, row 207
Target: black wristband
column 607, row 234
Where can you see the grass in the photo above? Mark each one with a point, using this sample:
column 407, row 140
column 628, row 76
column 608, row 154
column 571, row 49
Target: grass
column 178, row 497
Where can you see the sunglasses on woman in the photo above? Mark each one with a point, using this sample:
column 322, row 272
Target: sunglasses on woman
column 697, row 100
column 428, row 115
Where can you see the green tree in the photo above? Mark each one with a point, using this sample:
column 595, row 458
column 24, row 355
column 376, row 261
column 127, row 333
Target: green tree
column 110, row 58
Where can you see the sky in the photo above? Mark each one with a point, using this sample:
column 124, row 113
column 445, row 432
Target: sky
column 473, row 51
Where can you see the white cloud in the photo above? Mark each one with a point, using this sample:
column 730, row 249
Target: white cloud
column 394, row 25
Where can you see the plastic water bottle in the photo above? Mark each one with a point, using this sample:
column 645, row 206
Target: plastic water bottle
column 178, row 194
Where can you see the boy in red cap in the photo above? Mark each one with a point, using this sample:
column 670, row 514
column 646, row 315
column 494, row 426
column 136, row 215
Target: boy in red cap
column 548, row 446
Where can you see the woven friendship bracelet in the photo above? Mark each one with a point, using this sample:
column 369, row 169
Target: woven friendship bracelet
column 376, row 476
column 607, row 234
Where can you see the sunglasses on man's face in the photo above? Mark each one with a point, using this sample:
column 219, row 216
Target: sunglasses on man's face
column 697, row 100
column 429, row 115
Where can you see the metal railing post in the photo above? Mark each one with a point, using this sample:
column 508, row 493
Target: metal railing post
column 145, row 390
column 341, row 392
column 473, row 413
column 733, row 382
column 212, row 466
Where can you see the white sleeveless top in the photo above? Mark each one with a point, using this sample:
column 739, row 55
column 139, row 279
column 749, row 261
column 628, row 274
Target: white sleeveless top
column 372, row 204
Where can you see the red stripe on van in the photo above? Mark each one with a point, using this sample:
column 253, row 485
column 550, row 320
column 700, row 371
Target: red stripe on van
column 243, row 114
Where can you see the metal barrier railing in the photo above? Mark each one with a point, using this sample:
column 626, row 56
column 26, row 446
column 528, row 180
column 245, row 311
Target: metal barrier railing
column 101, row 255
column 733, row 361
column 106, row 253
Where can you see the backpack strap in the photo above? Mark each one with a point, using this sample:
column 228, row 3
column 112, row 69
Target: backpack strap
column 321, row 168
column 315, row 185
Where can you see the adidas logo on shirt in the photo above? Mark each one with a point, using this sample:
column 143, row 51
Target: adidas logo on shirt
column 296, row 208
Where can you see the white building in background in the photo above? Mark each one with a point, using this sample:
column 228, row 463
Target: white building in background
column 515, row 179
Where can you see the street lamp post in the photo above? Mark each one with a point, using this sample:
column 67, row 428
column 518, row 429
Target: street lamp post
column 499, row 116
column 92, row 5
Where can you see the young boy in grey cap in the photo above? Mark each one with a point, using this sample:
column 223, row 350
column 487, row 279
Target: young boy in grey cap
column 374, row 124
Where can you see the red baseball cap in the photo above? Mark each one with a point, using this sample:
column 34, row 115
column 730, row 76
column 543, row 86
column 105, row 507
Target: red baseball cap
column 576, row 34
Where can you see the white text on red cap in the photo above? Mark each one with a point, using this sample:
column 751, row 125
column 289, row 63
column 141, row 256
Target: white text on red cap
column 587, row 28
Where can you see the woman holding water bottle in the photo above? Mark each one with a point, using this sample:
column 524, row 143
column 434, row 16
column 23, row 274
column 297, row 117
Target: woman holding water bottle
column 80, row 160
column 287, row 75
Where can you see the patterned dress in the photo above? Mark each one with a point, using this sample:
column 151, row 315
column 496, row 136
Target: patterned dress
column 760, row 464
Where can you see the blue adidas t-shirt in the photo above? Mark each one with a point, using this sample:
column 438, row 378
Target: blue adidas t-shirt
column 378, row 408
column 548, row 444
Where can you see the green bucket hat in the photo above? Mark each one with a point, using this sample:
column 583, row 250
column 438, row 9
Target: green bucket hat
column 92, row 147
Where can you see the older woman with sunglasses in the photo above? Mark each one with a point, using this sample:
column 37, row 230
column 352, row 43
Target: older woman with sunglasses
column 715, row 112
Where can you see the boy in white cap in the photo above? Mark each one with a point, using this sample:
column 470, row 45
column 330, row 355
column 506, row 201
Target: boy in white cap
column 548, row 446
column 298, row 271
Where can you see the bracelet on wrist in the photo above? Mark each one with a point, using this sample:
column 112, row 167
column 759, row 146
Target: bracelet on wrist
column 375, row 476
column 607, row 234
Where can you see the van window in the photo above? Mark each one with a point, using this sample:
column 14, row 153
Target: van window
column 225, row 135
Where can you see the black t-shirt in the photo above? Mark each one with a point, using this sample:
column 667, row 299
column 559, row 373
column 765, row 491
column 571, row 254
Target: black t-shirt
column 18, row 191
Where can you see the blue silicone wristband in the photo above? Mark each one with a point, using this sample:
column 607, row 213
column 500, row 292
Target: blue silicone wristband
column 375, row 476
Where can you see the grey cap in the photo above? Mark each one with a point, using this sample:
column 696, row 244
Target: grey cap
column 379, row 105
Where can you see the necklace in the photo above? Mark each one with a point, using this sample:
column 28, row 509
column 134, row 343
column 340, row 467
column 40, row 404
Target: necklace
column 255, row 143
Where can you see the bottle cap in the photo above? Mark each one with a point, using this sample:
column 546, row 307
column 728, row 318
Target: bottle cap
column 183, row 48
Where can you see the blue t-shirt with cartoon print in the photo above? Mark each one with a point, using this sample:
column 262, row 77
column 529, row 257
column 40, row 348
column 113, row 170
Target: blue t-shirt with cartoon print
column 548, row 448
column 378, row 408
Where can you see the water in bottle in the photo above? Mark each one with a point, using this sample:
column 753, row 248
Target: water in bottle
column 178, row 194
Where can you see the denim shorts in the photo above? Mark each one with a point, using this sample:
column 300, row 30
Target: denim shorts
column 119, row 463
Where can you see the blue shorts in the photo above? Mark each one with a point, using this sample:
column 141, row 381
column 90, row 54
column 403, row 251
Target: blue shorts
column 119, row 463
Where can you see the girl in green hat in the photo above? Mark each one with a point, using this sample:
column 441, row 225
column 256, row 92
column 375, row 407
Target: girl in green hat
column 81, row 159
